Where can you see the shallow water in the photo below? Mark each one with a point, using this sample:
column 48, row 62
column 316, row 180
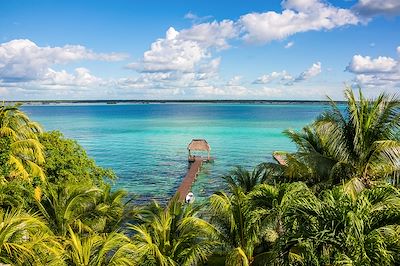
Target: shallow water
column 146, row 144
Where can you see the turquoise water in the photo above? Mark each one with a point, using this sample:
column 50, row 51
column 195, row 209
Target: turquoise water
column 146, row 144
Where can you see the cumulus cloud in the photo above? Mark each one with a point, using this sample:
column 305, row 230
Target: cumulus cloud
column 188, row 49
column 370, row 8
column 365, row 64
column 379, row 72
column 82, row 78
column 289, row 44
column 287, row 79
column 282, row 76
column 235, row 80
column 192, row 50
column 171, row 54
column 313, row 71
column 183, row 59
column 297, row 16
column 22, row 60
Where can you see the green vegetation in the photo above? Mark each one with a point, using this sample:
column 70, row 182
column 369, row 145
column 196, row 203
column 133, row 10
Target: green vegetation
column 336, row 201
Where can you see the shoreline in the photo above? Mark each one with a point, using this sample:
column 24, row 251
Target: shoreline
column 115, row 102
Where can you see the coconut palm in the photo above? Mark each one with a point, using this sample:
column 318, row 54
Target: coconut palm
column 26, row 240
column 360, row 142
column 312, row 163
column 236, row 229
column 244, row 179
column 365, row 138
column 270, row 205
column 99, row 249
column 19, row 139
column 109, row 210
column 67, row 205
column 343, row 228
column 172, row 236
column 15, row 194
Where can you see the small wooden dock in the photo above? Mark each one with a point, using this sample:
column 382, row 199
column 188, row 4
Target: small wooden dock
column 195, row 163
column 190, row 177
column 280, row 158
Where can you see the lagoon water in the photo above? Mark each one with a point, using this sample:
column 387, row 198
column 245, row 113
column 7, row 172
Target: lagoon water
column 145, row 144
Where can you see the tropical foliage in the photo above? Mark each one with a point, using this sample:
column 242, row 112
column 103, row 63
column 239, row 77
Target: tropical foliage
column 21, row 152
column 357, row 141
column 335, row 201
column 172, row 236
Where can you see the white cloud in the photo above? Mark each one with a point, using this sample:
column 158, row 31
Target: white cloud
column 380, row 72
column 191, row 15
column 186, row 58
column 365, row 64
column 23, row 60
column 286, row 79
column 235, row 80
column 192, row 50
column 186, row 50
column 195, row 18
column 82, row 78
column 370, row 8
column 297, row 16
column 211, row 35
column 289, row 44
column 183, row 59
column 171, row 54
column 282, row 76
column 313, row 71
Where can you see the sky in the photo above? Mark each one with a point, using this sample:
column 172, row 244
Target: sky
column 198, row 49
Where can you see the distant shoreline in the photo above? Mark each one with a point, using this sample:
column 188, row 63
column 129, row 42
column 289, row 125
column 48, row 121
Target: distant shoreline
column 111, row 102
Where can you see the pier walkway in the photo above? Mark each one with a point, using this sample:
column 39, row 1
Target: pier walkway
column 190, row 177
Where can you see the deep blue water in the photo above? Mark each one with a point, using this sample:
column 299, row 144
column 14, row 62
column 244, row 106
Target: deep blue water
column 146, row 144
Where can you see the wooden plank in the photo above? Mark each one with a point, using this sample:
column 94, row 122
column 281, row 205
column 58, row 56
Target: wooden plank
column 189, row 179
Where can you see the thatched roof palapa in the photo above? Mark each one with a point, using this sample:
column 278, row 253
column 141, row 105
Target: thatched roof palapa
column 199, row 145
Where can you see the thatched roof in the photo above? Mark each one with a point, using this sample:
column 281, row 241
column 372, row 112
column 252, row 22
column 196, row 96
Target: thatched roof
column 199, row 145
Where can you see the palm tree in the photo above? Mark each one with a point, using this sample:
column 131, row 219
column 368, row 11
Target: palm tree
column 312, row 163
column 15, row 195
column 67, row 205
column 249, row 224
column 26, row 240
column 19, row 140
column 343, row 228
column 365, row 139
column 270, row 206
column 172, row 236
column 99, row 249
column 244, row 179
column 361, row 142
column 236, row 230
column 109, row 211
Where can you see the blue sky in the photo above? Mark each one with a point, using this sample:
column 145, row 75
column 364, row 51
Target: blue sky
column 249, row 49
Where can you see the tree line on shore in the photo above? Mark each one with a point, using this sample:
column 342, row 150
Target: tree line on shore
column 334, row 201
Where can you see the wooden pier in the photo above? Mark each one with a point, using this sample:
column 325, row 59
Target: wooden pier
column 280, row 158
column 190, row 177
column 195, row 163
